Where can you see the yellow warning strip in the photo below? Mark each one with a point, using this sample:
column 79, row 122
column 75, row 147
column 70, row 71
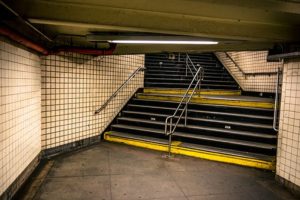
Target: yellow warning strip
column 176, row 149
column 203, row 100
column 203, row 91
column 136, row 143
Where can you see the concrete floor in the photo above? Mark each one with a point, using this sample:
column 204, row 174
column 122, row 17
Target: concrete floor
column 113, row 171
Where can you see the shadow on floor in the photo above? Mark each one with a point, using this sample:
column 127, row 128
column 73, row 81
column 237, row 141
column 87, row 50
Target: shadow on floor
column 111, row 171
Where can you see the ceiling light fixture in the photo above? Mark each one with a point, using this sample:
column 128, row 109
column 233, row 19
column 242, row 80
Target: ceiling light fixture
column 162, row 42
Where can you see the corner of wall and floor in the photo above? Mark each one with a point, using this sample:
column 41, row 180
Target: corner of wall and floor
column 48, row 103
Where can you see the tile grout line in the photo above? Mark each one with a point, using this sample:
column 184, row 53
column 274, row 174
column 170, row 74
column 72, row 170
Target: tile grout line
column 109, row 173
column 185, row 196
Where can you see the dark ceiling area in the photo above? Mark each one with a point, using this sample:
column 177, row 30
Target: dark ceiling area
column 234, row 24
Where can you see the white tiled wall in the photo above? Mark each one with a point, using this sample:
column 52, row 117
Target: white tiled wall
column 251, row 61
column 288, row 153
column 74, row 86
column 20, row 111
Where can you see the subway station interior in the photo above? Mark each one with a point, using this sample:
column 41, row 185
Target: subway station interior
column 149, row 100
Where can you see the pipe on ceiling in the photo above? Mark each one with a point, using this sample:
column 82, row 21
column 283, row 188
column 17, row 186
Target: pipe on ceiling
column 25, row 21
column 22, row 40
column 94, row 52
column 40, row 49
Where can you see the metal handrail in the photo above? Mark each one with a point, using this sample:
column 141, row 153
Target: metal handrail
column 276, row 100
column 247, row 73
column 187, row 65
column 119, row 89
column 169, row 127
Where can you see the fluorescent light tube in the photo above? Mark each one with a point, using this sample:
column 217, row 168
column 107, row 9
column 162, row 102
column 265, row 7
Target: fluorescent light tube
column 162, row 42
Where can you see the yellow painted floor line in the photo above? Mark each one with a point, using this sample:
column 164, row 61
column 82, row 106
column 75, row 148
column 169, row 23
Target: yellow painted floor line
column 176, row 149
column 202, row 100
column 182, row 91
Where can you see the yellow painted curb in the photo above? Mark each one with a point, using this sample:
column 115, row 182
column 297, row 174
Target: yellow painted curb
column 176, row 149
column 181, row 91
column 203, row 100
column 136, row 143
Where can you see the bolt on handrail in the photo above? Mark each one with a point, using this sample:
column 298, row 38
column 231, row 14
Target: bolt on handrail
column 248, row 73
column 169, row 127
column 119, row 89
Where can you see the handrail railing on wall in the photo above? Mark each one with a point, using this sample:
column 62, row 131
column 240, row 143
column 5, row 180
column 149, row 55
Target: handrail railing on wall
column 248, row 73
column 119, row 89
column 169, row 126
column 278, row 72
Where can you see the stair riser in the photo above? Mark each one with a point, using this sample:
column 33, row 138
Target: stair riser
column 201, row 115
column 207, row 59
column 183, row 91
column 196, row 99
column 229, row 146
column 173, row 67
column 183, row 72
column 240, row 110
column 218, row 134
column 200, row 141
column 183, row 69
column 227, row 78
column 195, row 122
column 184, row 79
column 220, row 156
column 168, row 85
column 187, row 81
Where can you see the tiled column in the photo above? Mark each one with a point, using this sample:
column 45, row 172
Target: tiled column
column 288, row 154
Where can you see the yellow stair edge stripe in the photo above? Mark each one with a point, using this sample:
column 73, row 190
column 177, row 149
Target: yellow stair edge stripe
column 248, row 162
column 181, row 91
column 202, row 100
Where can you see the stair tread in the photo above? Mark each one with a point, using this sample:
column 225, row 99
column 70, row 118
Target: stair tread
column 183, row 71
column 228, row 151
column 218, row 97
column 257, row 125
column 182, row 79
column 134, row 136
column 209, row 112
column 187, row 84
column 244, row 133
column 241, row 98
column 195, row 146
column 215, row 105
column 176, row 75
column 177, row 68
column 205, row 90
column 202, row 137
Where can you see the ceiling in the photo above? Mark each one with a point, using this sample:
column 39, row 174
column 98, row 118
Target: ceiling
column 236, row 24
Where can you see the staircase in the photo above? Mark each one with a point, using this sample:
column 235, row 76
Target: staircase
column 162, row 73
column 222, row 125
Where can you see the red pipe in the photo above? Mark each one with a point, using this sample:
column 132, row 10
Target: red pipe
column 29, row 44
column 22, row 40
column 95, row 52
